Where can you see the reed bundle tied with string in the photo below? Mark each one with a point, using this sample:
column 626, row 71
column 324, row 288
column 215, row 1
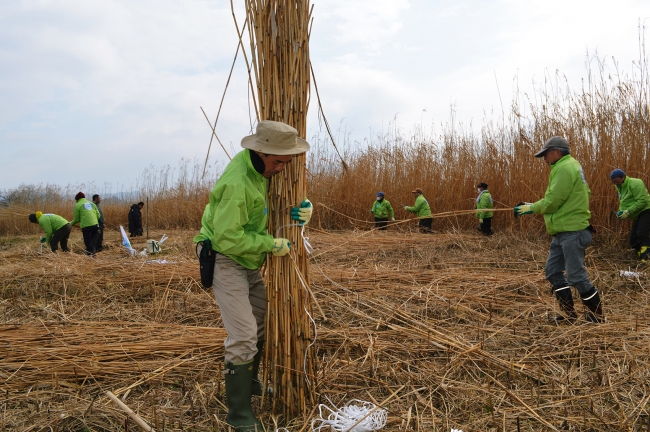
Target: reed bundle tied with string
column 279, row 43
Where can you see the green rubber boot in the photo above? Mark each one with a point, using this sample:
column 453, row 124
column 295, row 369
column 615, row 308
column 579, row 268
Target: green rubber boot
column 257, row 384
column 239, row 379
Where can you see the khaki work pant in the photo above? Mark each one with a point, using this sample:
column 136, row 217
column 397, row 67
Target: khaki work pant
column 241, row 296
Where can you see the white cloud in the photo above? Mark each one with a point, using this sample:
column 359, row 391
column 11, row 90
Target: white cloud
column 98, row 90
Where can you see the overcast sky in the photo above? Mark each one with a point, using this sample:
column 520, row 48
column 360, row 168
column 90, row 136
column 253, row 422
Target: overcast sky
column 97, row 91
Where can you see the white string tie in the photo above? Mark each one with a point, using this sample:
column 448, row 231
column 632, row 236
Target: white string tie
column 305, row 240
column 355, row 416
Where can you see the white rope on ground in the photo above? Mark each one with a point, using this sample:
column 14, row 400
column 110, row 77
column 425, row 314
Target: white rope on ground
column 355, row 416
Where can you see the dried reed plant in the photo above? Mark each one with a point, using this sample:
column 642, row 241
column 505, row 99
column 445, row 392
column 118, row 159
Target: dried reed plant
column 606, row 122
column 452, row 326
column 279, row 56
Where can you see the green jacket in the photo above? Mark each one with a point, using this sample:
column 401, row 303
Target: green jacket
column 421, row 207
column 565, row 205
column 50, row 223
column 484, row 201
column 382, row 209
column 235, row 218
column 85, row 214
column 633, row 196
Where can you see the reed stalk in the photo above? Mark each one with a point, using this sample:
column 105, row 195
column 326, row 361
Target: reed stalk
column 279, row 46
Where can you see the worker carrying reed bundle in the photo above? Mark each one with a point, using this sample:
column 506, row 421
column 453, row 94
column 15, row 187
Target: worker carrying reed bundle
column 565, row 207
column 382, row 209
column 87, row 216
column 234, row 226
column 422, row 210
column 484, row 201
column 634, row 205
column 57, row 229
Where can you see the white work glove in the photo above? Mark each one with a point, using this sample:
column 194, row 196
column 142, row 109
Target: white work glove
column 302, row 213
column 623, row 214
column 392, row 219
column 281, row 247
column 480, row 221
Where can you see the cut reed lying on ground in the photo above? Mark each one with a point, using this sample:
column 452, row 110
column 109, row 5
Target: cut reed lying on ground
column 455, row 322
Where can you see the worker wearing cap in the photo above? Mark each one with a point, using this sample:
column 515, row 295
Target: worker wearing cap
column 421, row 210
column 565, row 207
column 234, row 226
column 634, row 205
column 382, row 210
column 57, row 229
column 87, row 216
column 484, row 202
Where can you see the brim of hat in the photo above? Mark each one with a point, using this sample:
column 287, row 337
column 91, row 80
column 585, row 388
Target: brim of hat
column 542, row 152
column 250, row 142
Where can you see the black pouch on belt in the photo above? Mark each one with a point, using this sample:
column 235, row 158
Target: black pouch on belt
column 206, row 262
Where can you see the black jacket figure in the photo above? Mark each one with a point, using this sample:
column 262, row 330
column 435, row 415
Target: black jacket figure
column 135, row 220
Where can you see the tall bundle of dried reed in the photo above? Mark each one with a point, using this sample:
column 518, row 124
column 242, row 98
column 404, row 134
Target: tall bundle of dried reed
column 279, row 44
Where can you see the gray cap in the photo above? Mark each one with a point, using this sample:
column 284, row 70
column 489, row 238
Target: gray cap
column 553, row 142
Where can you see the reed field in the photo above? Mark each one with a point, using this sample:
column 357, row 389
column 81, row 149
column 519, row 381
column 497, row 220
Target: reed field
column 607, row 123
column 445, row 330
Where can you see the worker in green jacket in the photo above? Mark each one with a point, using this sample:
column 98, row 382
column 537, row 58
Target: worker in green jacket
column 87, row 216
column 57, row 229
column 565, row 207
column 382, row 210
column 484, row 201
column 234, row 227
column 634, row 205
column 421, row 210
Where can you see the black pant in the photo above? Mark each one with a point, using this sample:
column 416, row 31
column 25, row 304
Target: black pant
column 89, row 234
column 61, row 236
column 136, row 233
column 639, row 235
column 486, row 226
column 381, row 223
column 425, row 224
column 99, row 239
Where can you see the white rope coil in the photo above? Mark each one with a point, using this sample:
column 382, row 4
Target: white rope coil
column 355, row 416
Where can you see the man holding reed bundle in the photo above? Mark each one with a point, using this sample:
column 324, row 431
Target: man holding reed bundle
column 234, row 232
column 634, row 205
column 565, row 207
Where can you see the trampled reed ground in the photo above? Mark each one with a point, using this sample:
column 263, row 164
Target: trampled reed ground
column 451, row 326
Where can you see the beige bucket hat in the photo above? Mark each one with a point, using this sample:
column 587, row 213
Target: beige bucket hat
column 275, row 138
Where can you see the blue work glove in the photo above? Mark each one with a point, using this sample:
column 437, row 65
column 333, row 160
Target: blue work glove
column 43, row 239
column 281, row 247
column 302, row 213
column 523, row 208
column 623, row 214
